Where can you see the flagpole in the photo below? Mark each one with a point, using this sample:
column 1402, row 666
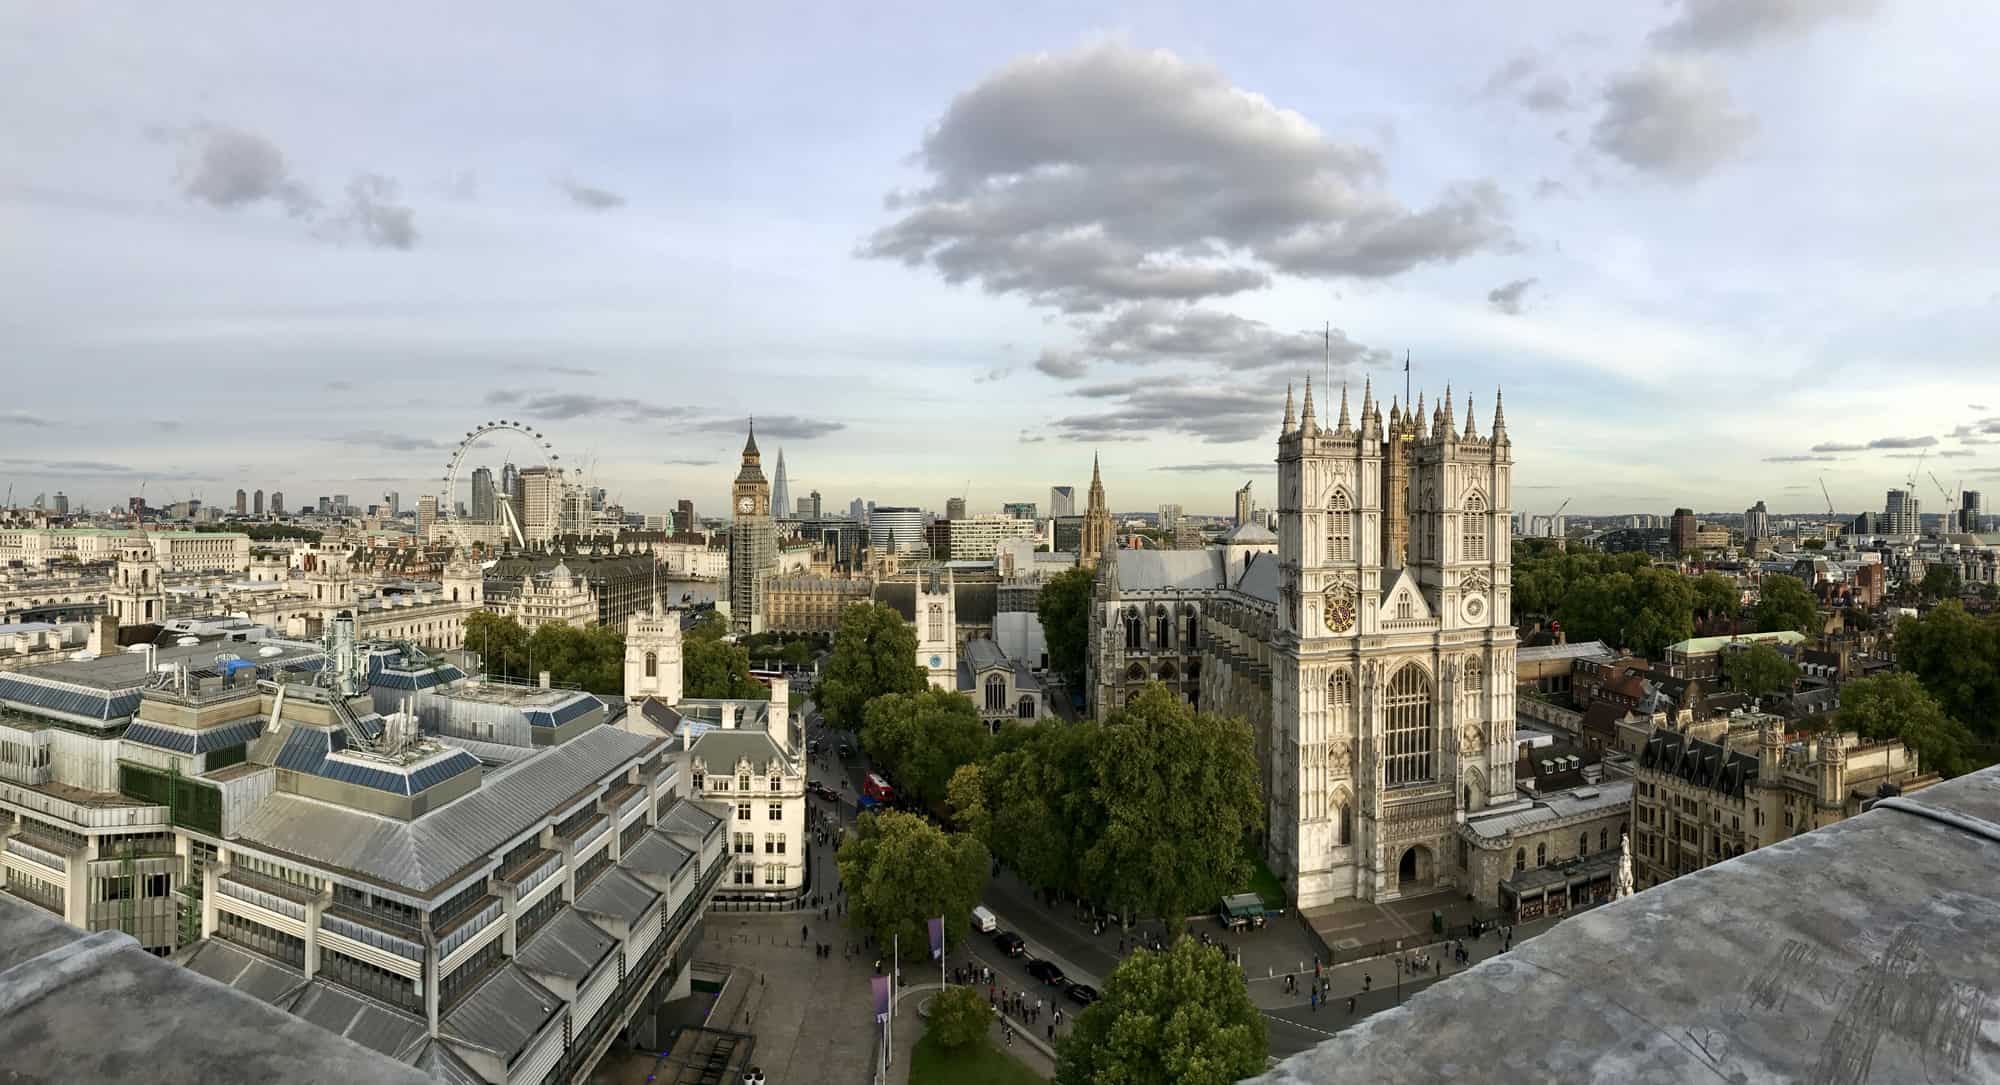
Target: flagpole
column 895, row 973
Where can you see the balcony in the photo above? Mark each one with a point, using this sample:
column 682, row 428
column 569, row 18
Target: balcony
column 94, row 812
column 590, row 832
column 36, row 853
column 531, row 872
column 269, row 894
column 467, row 926
column 372, row 929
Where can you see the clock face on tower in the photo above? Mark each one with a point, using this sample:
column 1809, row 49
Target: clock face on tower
column 1339, row 606
column 745, row 504
column 936, row 662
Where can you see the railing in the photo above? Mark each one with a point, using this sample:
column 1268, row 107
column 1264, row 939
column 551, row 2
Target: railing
column 371, row 936
column 591, row 833
column 233, row 885
column 469, row 927
column 90, row 817
column 35, row 854
column 523, row 884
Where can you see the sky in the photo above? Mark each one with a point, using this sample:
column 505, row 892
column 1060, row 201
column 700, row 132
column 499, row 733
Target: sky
column 1714, row 251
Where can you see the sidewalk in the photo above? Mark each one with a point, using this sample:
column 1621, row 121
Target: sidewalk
column 1030, row 1050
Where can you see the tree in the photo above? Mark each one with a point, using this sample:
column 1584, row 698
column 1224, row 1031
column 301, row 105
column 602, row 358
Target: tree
column 1183, row 1015
column 1941, row 582
column 1895, row 705
column 1784, row 603
column 592, row 658
column 1957, row 658
column 922, row 738
column 1814, row 544
column 1716, row 595
column 1180, row 794
column 900, row 870
column 1758, row 671
column 965, row 795
column 959, row 1018
column 1040, row 790
column 1990, row 592
column 874, row 653
column 1063, row 605
column 712, row 667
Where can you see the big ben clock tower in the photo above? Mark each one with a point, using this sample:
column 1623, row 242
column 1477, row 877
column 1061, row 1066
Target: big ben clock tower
column 752, row 541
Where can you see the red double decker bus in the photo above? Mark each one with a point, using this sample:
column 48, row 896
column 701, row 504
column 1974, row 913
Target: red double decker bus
column 878, row 789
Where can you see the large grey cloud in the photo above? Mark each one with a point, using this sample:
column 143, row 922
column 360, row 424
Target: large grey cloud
column 1062, row 364
column 231, row 168
column 586, row 196
column 1111, row 174
column 546, row 407
column 1877, row 443
column 1158, row 332
column 1523, row 79
column 22, row 418
column 372, row 214
column 392, row 442
column 1802, row 459
column 788, row 426
column 1671, row 117
column 1211, row 412
column 1732, row 24
column 1508, row 297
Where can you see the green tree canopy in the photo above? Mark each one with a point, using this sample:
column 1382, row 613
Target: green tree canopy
column 1716, row 595
column 1182, row 1016
column 1957, row 658
column 1043, row 813
column 1895, row 705
column 1063, row 605
column 959, row 1017
column 1784, row 603
column 1180, row 793
column 591, row 658
column 922, row 738
column 713, row 667
column 1645, row 609
column 1942, row 582
column 1814, row 544
column 900, row 870
column 1759, row 671
column 875, row 652
column 965, row 795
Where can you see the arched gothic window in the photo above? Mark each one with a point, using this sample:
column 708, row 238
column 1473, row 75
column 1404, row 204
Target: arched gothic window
column 1163, row 628
column 1026, row 709
column 1193, row 636
column 1340, row 527
column 1346, row 824
column 996, row 694
column 1406, row 735
column 1474, row 686
column 1541, row 855
column 1403, row 607
column 937, row 622
column 652, row 665
column 1520, row 860
column 1583, row 844
column 1136, row 672
column 1603, row 839
column 1132, row 630
column 1475, row 528
column 1340, row 702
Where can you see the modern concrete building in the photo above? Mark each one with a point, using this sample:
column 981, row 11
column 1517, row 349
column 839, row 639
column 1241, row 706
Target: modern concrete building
column 954, row 508
column 979, row 537
column 1019, row 510
column 895, row 529
column 1682, row 531
column 1062, row 501
column 1902, row 514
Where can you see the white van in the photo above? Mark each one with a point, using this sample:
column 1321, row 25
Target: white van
column 983, row 920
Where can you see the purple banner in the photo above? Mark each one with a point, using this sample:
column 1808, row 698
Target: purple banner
column 881, row 999
column 937, row 937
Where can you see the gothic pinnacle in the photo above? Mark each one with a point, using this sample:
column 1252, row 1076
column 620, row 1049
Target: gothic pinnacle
column 1291, row 422
column 1471, row 434
column 1306, row 422
column 1346, row 426
column 1499, row 416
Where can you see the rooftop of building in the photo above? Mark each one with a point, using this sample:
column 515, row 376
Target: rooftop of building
column 1587, row 649
column 1546, row 809
column 1169, row 570
column 1705, row 645
column 130, row 669
column 1865, row 951
column 96, row 1007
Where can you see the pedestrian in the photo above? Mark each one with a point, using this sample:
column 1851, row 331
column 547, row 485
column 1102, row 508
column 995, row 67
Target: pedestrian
column 1367, row 980
column 1008, row 1032
column 1313, row 1001
column 1350, row 1005
column 802, row 932
column 1052, row 1032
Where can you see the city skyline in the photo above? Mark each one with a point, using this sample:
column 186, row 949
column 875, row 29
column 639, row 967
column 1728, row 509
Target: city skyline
column 1575, row 206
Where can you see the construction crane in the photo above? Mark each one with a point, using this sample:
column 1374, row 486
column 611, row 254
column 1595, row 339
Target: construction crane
column 1828, row 496
column 1950, row 502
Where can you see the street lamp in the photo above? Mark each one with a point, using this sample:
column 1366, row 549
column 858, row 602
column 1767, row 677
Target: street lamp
column 1399, row 972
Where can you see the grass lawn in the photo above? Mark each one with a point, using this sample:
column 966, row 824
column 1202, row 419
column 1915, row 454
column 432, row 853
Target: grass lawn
column 931, row 1064
column 1262, row 882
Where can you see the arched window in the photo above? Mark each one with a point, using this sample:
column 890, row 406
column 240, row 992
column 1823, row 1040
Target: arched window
column 1167, row 672
column 1406, row 735
column 1603, row 839
column 996, row 693
column 1475, row 690
column 1541, row 855
column 1403, row 606
column 652, row 665
column 1136, row 672
column 1346, row 824
column 1131, row 630
column 1583, row 844
column 1339, row 528
column 1163, row 628
column 1520, row 860
column 1475, row 528
column 1468, row 796
column 1026, row 709
column 1193, row 636
column 937, row 622
column 1340, row 700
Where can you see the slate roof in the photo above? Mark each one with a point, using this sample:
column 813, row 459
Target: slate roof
column 1182, row 570
column 618, row 895
column 655, row 854
column 1555, row 806
column 250, row 973
column 982, row 654
column 507, row 1011
column 367, row 1022
column 1260, row 578
column 568, row 945
column 1251, row 534
column 422, row 854
column 1704, row 764
column 1586, row 649
column 722, row 749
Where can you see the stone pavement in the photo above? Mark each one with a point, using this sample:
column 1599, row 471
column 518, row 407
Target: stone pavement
column 813, row 1017
column 1031, row 1051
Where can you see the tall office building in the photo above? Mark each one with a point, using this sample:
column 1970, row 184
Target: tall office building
column 62, row 503
column 482, row 495
column 857, row 512
column 1756, row 523
column 242, row 503
column 427, row 514
column 753, row 542
column 1062, row 501
column 684, row 516
column 342, row 506
column 392, row 503
column 896, row 528
column 954, row 508
column 815, row 504
column 1019, row 510
column 1683, row 531
column 1243, row 506
column 325, row 505
column 781, row 489
column 1901, row 514
column 257, row 503
column 803, row 508
column 537, row 497
column 277, row 502
column 1169, row 516
column 1968, row 509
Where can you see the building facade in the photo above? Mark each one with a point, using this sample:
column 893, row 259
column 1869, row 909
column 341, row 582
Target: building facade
column 1095, row 533
column 753, row 542
column 979, row 537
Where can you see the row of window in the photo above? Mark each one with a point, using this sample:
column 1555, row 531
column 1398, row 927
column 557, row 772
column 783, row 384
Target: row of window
column 1343, row 526
column 746, row 843
column 745, row 873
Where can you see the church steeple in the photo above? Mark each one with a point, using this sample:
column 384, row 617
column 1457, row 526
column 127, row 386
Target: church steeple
column 1499, row 417
column 1306, row 424
column 1291, row 421
column 1096, row 535
column 1346, row 428
column 750, row 443
column 1471, row 434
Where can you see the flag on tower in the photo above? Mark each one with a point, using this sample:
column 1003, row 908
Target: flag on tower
column 881, row 999
column 937, row 937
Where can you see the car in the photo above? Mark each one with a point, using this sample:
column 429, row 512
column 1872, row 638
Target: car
column 1046, row 971
column 1083, row 994
column 1013, row 945
column 812, row 746
column 846, row 751
column 822, row 791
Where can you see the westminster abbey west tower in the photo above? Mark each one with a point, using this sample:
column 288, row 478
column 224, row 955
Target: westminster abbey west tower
column 1393, row 650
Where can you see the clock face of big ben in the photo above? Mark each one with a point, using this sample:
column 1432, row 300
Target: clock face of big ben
column 745, row 504
column 1338, row 605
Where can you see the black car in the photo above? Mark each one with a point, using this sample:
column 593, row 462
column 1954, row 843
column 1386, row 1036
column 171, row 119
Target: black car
column 1083, row 994
column 1013, row 945
column 1046, row 971
column 846, row 751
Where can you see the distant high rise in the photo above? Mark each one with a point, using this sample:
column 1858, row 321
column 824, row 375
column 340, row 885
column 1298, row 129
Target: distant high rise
column 325, row 505
column 392, row 503
column 815, row 504
column 1243, row 505
column 427, row 515
column 857, row 512
column 781, row 488
column 1756, row 522
column 61, row 507
column 1682, row 531
column 1968, row 509
column 684, row 516
column 803, row 509
column 954, row 508
column 1062, row 501
column 1169, row 516
column 1019, row 510
column 257, row 503
column 242, row 503
column 482, row 495
column 341, row 506
column 537, row 498
column 1901, row 514
column 895, row 528
column 1096, row 532
column 277, row 502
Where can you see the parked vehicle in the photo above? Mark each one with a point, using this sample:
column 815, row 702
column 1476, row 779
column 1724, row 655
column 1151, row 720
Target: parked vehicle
column 1046, row 971
column 1013, row 945
column 984, row 921
column 846, row 749
column 1083, row 994
column 1241, row 911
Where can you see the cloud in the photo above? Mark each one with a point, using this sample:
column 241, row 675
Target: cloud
column 392, row 442
column 1957, row 452
column 997, row 373
column 1549, row 187
column 22, row 418
column 1977, row 441
column 232, row 168
column 372, row 213
column 1211, row 412
column 339, row 386
column 1902, row 442
column 1061, row 364
column 1152, row 332
column 1523, row 79
column 563, row 406
column 1832, row 446
column 1673, row 118
column 1801, row 459
column 1034, row 439
column 1233, row 468
column 1983, row 426
column 1507, row 297
column 464, row 188
column 595, row 199
column 1735, row 24
column 774, row 425
column 1109, row 174
column 167, row 426
column 691, row 463
column 1977, row 406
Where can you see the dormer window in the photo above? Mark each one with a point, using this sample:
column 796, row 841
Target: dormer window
column 696, row 777
column 1403, row 604
column 743, row 782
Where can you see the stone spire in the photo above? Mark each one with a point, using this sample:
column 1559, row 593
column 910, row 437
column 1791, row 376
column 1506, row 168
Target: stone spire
column 1306, row 424
column 1471, row 434
column 1291, row 422
column 1450, row 420
column 1395, row 415
column 1499, row 417
column 1346, row 427
column 1418, row 416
